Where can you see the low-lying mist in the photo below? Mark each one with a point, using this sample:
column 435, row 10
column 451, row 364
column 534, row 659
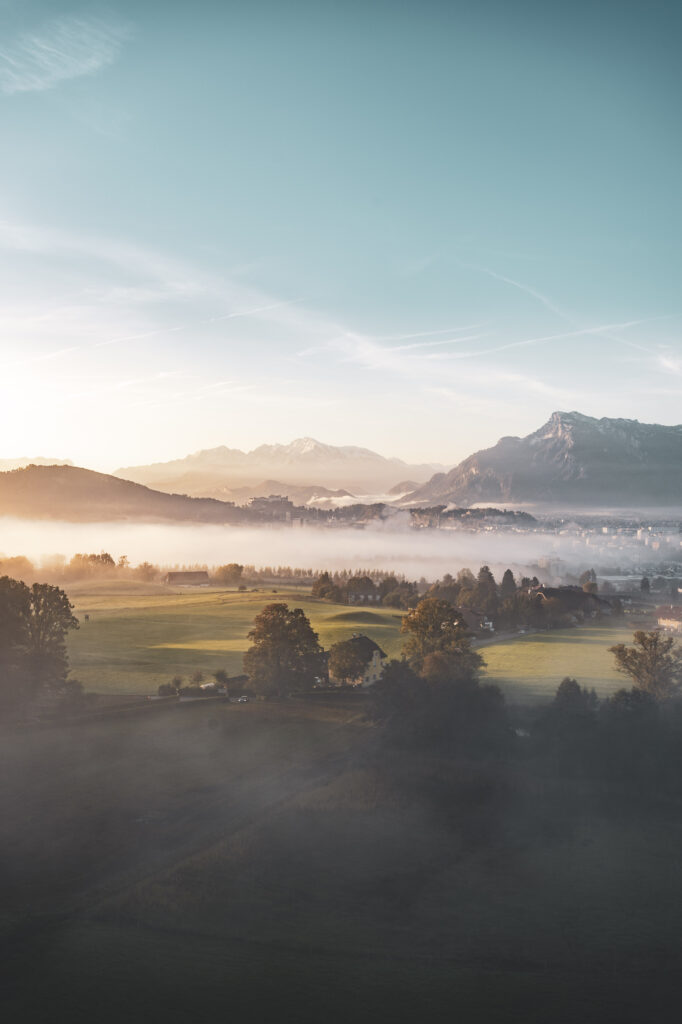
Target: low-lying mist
column 416, row 553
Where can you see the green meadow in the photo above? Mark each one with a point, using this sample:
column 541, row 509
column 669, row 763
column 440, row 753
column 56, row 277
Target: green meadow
column 534, row 665
column 140, row 635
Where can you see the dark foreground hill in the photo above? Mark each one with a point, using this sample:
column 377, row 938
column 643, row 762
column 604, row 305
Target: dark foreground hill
column 81, row 495
column 574, row 461
column 265, row 863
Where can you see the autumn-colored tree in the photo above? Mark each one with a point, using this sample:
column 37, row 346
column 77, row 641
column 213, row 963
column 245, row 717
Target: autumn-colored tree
column 285, row 653
column 435, row 627
column 348, row 659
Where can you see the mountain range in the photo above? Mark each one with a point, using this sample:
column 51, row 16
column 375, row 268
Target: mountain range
column 573, row 461
column 231, row 474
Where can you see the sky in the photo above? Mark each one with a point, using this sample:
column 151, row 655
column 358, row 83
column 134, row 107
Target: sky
column 412, row 226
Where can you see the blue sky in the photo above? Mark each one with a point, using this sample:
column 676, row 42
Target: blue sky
column 412, row 226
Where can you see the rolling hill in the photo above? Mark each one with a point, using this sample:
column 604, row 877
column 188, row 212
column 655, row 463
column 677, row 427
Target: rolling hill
column 80, row 495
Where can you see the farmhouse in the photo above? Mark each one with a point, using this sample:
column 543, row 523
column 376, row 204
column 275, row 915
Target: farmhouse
column 199, row 578
column 670, row 617
column 475, row 621
column 361, row 590
column 572, row 600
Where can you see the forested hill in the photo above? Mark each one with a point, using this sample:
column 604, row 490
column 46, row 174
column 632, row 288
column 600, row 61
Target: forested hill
column 573, row 461
column 81, row 495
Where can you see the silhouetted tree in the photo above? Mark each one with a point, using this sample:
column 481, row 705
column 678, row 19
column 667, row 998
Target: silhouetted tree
column 653, row 662
column 508, row 585
column 33, row 625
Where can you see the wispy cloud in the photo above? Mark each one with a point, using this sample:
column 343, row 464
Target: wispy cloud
column 605, row 330
column 533, row 292
column 62, row 49
column 544, row 300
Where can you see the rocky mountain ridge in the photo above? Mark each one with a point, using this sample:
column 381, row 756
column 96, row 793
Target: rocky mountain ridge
column 573, row 460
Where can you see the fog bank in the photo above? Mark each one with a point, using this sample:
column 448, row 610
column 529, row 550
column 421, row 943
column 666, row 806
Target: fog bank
column 416, row 553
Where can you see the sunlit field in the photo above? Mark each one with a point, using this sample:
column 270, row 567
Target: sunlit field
column 141, row 635
column 534, row 665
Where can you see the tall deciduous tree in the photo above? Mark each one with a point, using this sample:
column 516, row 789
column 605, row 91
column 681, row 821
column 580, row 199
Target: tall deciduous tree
column 230, row 575
column 653, row 662
column 34, row 622
column 434, row 627
column 50, row 617
column 348, row 660
column 285, row 654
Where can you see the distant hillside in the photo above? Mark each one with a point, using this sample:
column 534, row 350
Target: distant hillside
column 306, row 463
column 80, row 495
column 39, row 460
column 573, row 461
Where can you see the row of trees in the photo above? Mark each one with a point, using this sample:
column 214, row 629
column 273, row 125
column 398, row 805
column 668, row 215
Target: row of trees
column 433, row 694
column 286, row 655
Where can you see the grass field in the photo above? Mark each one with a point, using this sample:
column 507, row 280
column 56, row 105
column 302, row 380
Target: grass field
column 141, row 635
column 534, row 665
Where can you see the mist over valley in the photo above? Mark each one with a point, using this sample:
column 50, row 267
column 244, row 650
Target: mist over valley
column 392, row 546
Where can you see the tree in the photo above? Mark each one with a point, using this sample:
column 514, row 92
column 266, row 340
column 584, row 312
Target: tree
column 229, row 575
column 435, row 627
column 589, row 576
column 324, row 588
column 285, row 654
column 399, row 694
column 349, row 659
column 654, row 663
column 145, row 571
column 221, row 677
column 48, row 621
column 33, row 626
column 645, row 586
column 320, row 584
column 508, row 585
